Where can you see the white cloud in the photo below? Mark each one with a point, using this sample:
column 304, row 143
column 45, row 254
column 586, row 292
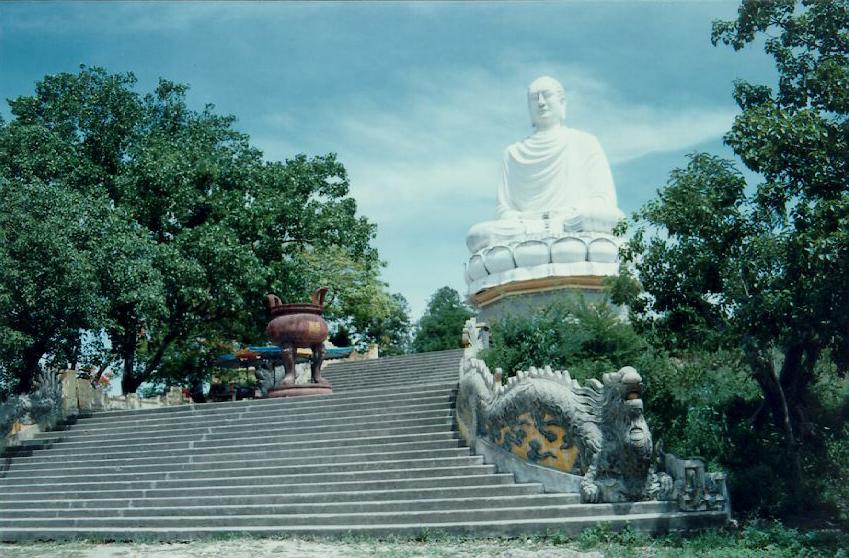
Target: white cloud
column 629, row 132
column 441, row 143
column 123, row 17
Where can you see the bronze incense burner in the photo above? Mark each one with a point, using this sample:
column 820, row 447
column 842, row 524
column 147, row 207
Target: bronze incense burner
column 299, row 325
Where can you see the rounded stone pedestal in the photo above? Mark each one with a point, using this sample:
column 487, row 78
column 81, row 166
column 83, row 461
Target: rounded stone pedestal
column 298, row 390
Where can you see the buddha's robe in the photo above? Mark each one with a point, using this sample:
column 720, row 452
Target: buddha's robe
column 554, row 181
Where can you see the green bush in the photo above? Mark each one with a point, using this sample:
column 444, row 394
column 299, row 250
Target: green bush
column 441, row 326
column 756, row 539
column 45, row 404
column 834, row 482
column 10, row 411
column 586, row 339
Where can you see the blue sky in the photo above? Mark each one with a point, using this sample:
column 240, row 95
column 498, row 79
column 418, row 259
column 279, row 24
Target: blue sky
column 417, row 99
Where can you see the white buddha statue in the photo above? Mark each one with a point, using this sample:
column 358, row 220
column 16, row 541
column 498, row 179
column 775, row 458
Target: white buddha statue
column 555, row 181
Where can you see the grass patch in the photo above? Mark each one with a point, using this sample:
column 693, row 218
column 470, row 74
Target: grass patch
column 755, row 539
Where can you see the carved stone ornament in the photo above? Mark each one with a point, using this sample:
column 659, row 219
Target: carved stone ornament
column 594, row 435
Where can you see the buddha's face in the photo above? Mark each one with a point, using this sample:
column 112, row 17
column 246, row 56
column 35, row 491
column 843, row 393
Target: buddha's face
column 546, row 103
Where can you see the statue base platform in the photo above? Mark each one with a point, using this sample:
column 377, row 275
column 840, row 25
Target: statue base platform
column 299, row 390
column 524, row 297
column 573, row 255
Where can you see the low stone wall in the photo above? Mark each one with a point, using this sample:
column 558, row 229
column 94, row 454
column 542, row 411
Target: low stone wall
column 371, row 353
column 20, row 433
column 80, row 397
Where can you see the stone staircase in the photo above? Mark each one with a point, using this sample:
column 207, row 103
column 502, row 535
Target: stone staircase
column 377, row 457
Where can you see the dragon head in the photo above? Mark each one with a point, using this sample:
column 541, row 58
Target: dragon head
column 623, row 412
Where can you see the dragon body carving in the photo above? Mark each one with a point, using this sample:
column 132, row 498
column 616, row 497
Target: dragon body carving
column 596, row 431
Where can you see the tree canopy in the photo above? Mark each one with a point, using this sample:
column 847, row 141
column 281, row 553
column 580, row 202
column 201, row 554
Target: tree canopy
column 441, row 326
column 161, row 227
column 763, row 268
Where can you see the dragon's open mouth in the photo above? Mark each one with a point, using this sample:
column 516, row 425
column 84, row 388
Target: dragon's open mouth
column 633, row 391
column 636, row 435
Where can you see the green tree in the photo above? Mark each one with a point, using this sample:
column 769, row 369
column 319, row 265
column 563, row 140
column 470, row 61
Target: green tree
column 358, row 305
column 764, row 269
column 442, row 324
column 208, row 226
column 390, row 327
column 48, row 288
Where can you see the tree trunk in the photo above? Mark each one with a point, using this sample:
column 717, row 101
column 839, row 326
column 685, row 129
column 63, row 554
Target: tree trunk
column 75, row 350
column 29, row 365
column 129, row 381
column 796, row 376
column 156, row 359
column 776, row 400
column 26, row 373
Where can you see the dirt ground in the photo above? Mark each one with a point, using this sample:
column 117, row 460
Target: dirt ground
column 296, row 548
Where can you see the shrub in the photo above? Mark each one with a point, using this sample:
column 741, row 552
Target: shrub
column 10, row 412
column 45, row 406
column 586, row 339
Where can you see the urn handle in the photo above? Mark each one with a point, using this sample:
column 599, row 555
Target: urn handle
column 318, row 297
column 272, row 301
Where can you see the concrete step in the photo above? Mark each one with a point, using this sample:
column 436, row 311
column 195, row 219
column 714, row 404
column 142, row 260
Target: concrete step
column 205, row 471
column 438, row 358
column 389, row 369
column 266, row 499
column 415, row 517
column 274, row 486
column 23, row 468
column 248, row 424
column 650, row 522
column 315, row 403
column 245, row 453
column 438, row 403
column 259, row 432
column 412, row 375
column 378, row 506
column 212, row 408
column 345, row 386
column 328, row 440
column 245, row 478
column 390, row 372
column 343, row 389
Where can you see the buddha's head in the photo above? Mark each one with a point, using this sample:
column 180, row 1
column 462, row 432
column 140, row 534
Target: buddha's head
column 546, row 103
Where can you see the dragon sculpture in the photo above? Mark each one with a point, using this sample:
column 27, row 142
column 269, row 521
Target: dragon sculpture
column 595, row 432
